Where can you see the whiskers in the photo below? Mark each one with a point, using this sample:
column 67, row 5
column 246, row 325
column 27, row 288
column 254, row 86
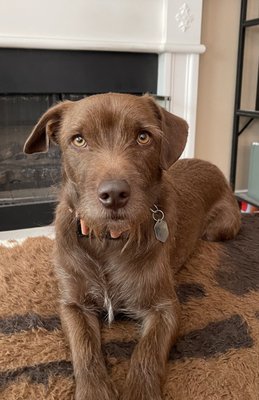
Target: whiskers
column 134, row 237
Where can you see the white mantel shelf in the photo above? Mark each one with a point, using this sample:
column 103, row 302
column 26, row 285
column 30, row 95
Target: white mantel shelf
column 170, row 28
column 55, row 43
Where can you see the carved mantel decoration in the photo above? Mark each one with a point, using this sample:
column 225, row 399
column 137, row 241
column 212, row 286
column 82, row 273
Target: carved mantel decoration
column 184, row 17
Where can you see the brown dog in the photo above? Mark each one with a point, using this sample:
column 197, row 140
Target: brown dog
column 138, row 222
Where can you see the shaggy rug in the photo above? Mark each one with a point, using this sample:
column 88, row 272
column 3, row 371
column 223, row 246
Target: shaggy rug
column 216, row 355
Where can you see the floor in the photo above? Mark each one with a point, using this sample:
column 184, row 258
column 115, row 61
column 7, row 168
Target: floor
column 11, row 238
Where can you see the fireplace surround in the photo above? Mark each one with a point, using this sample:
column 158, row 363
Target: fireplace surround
column 126, row 46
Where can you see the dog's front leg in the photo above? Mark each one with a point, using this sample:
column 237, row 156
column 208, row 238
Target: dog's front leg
column 147, row 365
column 83, row 331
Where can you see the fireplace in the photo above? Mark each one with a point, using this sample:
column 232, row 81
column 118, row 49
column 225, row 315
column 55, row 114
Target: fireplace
column 122, row 46
column 30, row 82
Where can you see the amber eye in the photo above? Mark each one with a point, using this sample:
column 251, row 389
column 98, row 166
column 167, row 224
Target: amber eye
column 143, row 138
column 79, row 141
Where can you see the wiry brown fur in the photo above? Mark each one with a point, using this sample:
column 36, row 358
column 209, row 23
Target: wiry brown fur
column 135, row 273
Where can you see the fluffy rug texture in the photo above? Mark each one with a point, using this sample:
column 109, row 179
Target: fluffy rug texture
column 217, row 352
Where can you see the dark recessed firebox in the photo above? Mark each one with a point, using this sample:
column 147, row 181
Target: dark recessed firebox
column 30, row 82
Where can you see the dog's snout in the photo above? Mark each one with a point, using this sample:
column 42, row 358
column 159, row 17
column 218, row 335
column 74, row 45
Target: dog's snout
column 114, row 193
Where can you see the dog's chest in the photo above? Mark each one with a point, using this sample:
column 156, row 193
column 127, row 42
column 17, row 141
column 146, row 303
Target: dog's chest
column 112, row 290
column 108, row 307
column 107, row 300
column 114, row 298
column 118, row 286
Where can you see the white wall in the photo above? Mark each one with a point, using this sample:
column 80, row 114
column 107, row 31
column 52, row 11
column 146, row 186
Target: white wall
column 217, row 76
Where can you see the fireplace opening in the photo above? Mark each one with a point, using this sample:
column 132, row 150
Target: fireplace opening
column 24, row 179
column 31, row 81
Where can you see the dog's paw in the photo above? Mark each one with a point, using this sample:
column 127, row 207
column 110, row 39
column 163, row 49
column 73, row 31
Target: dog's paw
column 102, row 391
column 131, row 395
column 136, row 389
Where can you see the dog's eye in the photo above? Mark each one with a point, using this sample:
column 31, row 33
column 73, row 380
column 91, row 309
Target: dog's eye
column 79, row 141
column 143, row 138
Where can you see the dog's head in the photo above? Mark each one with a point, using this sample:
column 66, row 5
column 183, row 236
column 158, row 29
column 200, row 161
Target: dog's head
column 114, row 149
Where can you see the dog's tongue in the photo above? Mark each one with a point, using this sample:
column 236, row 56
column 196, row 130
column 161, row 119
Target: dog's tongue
column 84, row 228
column 115, row 234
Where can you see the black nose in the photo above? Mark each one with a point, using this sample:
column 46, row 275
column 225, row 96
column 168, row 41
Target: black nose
column 114, row 194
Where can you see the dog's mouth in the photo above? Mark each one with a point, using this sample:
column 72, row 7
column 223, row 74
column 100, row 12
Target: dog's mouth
column 113, row 229
column 112, row 224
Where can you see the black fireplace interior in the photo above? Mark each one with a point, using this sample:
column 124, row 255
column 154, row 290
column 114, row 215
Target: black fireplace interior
column 30, row 82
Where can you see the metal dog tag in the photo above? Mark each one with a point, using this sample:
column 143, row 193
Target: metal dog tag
column 161, row 230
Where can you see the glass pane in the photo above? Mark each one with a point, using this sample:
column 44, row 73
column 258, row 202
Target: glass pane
column 73, row 97
column 25, row 178
column 163, row 101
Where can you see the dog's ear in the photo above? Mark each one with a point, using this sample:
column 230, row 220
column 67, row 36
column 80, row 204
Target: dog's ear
column 175, row 132
column 47, row 128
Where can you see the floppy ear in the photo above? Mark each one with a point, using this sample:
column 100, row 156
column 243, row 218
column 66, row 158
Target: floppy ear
column 175, row 130
column 47, row 128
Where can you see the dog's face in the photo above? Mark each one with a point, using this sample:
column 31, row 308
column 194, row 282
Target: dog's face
column 114, row 148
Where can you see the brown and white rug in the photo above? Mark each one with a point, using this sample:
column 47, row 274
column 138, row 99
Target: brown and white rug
column 215, row 357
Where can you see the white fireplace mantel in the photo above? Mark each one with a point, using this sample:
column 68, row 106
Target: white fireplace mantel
column 170, row 28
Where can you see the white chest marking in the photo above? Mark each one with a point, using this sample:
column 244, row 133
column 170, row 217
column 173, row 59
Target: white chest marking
column 108, row 306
